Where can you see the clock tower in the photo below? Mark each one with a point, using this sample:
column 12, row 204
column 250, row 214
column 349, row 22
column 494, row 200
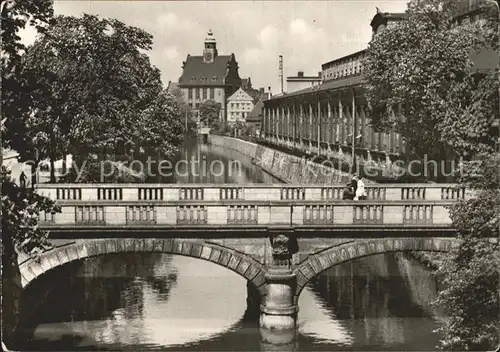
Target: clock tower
column 210, row 51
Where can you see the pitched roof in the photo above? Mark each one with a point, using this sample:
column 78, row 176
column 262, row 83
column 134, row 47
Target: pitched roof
column 240, row 91
column 387, row 16
column 328, row 85
column 256, row 113
column 172, row 86
column 254, row 93
column 198, row 73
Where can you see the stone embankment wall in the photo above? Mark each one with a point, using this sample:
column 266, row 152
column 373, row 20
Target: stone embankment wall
column 285, row 167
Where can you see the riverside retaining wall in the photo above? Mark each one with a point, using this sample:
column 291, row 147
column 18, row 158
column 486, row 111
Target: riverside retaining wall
column 286, row 167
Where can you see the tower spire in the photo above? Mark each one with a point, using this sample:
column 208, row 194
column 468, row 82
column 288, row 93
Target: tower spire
column 210, row 51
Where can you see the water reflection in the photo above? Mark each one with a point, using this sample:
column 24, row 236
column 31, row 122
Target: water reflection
column 199, row 163
column 156, row 301
column 371, row 301
column 164, row 307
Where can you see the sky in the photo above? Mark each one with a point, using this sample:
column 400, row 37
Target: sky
column 306, row 33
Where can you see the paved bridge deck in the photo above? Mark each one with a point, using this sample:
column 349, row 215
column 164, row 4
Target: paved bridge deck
column 174, row 208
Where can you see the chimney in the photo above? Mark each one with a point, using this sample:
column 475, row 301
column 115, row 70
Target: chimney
column 300, row 74
column 269, row 92
column 281, row 72
column 319, row 74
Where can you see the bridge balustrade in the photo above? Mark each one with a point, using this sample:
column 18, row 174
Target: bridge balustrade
column 418, row 214
column 141, row 214
column 88, row 215
column 231, row 193
column 242, row 214
column 153, row 193
column 368, row 214
column 176, row 192
column 228, row 206
column 318, row 214
column 261, row 214
column 191, row 215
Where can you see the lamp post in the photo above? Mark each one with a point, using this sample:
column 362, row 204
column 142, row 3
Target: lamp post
column 497, row 122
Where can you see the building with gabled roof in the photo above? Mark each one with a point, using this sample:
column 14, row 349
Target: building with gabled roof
column 239, row 105
column 209, row 76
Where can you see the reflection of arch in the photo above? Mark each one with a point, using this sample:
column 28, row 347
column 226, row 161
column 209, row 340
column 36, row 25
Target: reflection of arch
column 233, row 260
column 315, row 264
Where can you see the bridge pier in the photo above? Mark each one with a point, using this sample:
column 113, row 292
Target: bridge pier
column 278, row 312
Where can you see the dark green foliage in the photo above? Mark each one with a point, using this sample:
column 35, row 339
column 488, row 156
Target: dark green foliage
column 93, row 92
column 209, row 113
column 471, row 273
column 20, row 210
column 423, row 66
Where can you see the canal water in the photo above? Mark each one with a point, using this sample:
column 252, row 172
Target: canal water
column 168, row 302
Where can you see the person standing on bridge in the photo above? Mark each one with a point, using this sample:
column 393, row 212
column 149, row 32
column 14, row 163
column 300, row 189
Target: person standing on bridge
column 360, row 190
column 350, row 190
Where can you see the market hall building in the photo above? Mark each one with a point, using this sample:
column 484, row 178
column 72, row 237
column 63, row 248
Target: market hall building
column 331, row 118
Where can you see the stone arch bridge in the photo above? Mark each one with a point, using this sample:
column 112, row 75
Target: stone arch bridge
column 275, row 276
column 278, row 237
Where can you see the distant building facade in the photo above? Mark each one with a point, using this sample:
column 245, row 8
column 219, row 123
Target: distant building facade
column 246, row 83
column 350, row 65
column 209, row 77
column 299, row 82
column 239, row 106
column 255, row 117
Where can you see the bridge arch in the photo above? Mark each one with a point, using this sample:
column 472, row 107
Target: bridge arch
column 236, row 261
column 316, row 263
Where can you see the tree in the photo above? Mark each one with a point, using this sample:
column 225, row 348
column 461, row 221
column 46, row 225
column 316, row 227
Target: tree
column 95, row 87
column 20, row 207
column 209, row 113
column 16, row 98
column 20, row 232
column 185, row 110
column 159, row 129
column 423, row 67
column 471, row 273
column 181, row 101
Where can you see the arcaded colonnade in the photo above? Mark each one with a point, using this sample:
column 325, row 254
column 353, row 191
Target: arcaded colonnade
column 327, row 115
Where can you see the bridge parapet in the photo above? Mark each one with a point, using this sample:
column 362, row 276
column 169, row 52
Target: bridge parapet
column 247, row 215
column 258, row 192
